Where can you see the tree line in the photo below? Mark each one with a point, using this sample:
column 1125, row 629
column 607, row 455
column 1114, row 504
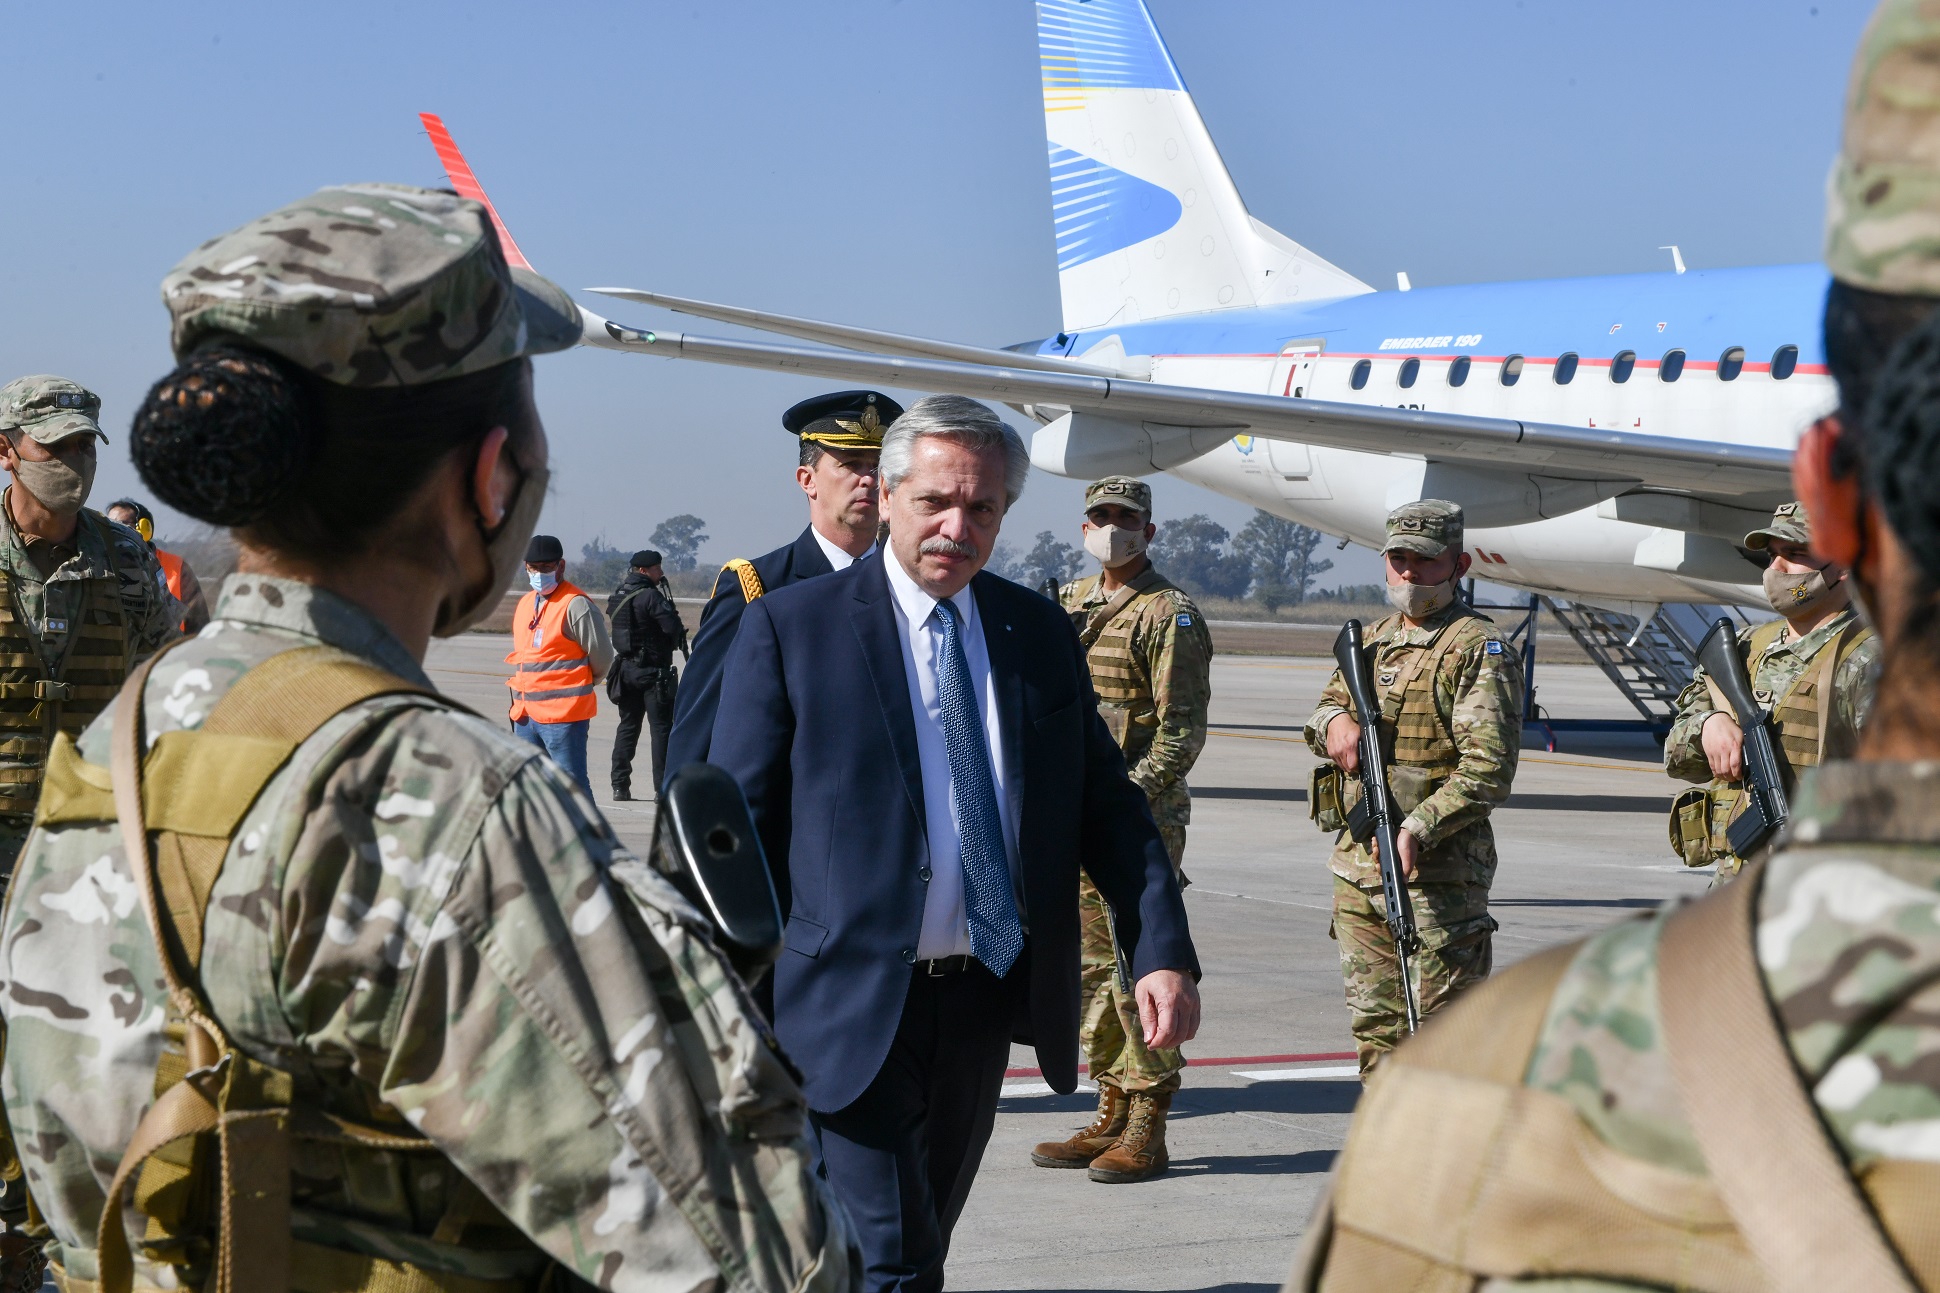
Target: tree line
column 1272, row 560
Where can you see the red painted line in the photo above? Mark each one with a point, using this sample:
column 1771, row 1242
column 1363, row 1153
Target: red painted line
column 1231, row 1061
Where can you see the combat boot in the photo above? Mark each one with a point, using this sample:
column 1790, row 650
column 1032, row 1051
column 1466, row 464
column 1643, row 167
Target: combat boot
column 1139, row 1152
column 1091, row 1140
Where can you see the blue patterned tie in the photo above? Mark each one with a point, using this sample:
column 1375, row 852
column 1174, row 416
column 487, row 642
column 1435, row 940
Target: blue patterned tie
column 996, row 935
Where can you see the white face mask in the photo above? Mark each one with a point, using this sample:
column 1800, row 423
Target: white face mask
column 1419, row 601
column 1113, row 546
column 542, row 581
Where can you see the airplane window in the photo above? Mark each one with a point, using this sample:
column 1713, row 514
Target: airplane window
column 1410, row 369
column 1512, row 370
column 1361, row 370
column 1458, row 371
column 1785, row 361
column 1671, row 366
column 1621, row 366
column 1565, row 368
column 1731, row 363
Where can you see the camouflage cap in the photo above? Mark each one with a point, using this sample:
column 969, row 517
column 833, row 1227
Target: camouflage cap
column 1789, row 524
column 370, row 285
column 49, row 408
column 1125, row 491
column 1883, row 197
column 1431, row 527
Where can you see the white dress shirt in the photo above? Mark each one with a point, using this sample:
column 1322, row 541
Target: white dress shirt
column 837, row 558
column 946, row 920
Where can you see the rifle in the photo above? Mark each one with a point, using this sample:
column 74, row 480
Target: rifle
column 1766, row 807
column 1374, row 816
column 705, row 844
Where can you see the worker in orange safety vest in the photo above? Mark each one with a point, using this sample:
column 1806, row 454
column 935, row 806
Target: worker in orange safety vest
column 560, row 655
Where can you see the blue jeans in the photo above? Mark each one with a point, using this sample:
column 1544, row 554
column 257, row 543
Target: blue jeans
column 565, row 742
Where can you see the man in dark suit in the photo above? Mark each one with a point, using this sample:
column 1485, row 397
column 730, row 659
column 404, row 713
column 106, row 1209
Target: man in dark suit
column 841, row 436
column 922, row 750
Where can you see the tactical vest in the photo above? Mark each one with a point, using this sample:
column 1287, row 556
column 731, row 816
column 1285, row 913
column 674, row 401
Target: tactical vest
column 1505, row 1182
column 1118, row 675
column 41, row 694
column 230, row 1152
column 1807, row 737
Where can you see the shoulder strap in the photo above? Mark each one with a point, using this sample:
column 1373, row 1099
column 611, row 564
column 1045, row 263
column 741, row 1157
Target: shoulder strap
column 1836, row 651
column 750, row 577
column 283, row 700
column 1102, row 617
column 1788, row 1187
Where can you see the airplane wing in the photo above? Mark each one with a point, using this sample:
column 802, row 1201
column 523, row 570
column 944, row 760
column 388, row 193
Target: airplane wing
column 1108, row 416
column 1183, row 422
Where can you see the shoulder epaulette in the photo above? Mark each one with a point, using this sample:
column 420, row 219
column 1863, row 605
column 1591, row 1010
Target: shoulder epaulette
column 750, row 577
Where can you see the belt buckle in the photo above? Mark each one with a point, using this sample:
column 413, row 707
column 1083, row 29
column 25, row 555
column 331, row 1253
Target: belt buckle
column 935, row 961
column 48, row 689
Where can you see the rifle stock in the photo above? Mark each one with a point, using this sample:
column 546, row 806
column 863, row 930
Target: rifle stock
column 1375, row 816
column 1766, row 805
column 705, row 844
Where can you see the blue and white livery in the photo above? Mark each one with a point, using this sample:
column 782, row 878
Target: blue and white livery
column 1610, row 438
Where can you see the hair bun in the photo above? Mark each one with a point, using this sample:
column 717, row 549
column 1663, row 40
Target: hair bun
column 224, row 436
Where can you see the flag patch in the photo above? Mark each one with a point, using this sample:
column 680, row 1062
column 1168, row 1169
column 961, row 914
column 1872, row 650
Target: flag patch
column 1185, row 621
column 1493, row 648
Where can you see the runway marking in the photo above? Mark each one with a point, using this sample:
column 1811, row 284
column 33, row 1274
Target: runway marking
column 1278, row 902
column 1611, row 766
column 1219, row 1063
column 1014, row 1089
column 1298, row 1075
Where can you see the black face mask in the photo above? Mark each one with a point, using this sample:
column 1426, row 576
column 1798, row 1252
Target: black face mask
column 504, row 552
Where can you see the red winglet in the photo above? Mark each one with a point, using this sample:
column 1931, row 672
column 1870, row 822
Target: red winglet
column 462, row 179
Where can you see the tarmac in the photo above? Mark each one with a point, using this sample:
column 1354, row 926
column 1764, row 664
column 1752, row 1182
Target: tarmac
column 1266, row 1104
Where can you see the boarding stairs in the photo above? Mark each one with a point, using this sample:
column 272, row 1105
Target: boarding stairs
column 1648, row 660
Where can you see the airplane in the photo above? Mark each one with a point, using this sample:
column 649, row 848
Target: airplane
column 1611, row 439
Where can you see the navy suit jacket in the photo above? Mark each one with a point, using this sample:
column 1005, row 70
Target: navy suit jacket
column 699, row 692
column 816, row 724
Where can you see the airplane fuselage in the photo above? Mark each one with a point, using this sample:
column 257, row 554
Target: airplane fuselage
column 1729, row 355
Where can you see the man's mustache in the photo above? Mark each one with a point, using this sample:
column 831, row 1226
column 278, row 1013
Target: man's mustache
column 942, row 547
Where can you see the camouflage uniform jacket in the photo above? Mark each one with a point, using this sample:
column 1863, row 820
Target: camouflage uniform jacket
column 1772, row 674
column 1477, row 702
column 1848, row 937
column 47, row 581
column 1151, row 666
column 420, row 913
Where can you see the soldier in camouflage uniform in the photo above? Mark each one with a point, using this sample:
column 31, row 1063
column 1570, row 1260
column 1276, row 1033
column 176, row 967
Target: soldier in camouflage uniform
column 83, row 601
column 1812, row 667
column 1150, row 657
column 1738, row 1093
column 484, row 1047
column 1452, row 692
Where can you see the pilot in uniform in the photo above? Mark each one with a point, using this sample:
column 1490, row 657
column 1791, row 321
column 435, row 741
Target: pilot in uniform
column 841, row 442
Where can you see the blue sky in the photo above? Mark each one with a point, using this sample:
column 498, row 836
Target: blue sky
column 878, row 162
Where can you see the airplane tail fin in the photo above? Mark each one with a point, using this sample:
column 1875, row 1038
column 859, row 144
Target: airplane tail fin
column 1148, row 221
column 466, row 184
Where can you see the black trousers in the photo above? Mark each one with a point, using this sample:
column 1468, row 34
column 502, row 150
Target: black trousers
column 903, row 1156
column 654, row 705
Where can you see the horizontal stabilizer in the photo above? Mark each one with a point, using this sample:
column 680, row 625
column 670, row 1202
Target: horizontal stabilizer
column 1709, row 469
column 850, row 338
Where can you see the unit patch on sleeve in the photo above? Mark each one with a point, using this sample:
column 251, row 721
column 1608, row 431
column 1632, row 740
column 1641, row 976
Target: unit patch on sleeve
column 1185, row 621
column 1493, row 648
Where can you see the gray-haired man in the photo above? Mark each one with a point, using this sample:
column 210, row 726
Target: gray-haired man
column 922, row 750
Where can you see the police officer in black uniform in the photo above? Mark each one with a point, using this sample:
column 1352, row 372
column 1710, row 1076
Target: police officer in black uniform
column 646, row 633
column 841, row 439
